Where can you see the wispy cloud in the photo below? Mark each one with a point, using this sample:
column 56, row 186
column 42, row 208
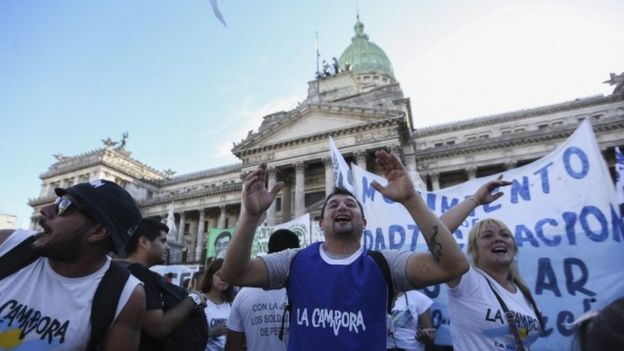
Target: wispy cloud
column 249, row 117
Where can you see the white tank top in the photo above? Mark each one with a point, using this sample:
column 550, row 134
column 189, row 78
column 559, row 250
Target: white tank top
column 42, row 310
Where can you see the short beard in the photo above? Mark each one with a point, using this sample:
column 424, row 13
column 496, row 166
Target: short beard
column 343, row 231
column 67, row 250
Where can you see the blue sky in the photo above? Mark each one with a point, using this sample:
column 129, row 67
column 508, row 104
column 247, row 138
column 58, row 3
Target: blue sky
column 185, row 87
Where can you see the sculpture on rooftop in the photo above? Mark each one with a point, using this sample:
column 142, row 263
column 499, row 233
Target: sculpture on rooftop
column 124, row 136
column 618, row 81
column 168, row 172
column 109, row 142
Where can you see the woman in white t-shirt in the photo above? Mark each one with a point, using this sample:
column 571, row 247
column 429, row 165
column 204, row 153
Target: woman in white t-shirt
column 219, row 298
column 481, row 301
column 411, row 322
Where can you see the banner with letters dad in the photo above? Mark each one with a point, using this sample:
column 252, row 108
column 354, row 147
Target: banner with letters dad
column 562, row 211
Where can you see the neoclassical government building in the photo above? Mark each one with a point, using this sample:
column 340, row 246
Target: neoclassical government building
column 359, row 103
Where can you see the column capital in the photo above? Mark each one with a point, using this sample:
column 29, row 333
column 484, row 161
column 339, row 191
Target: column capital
column 360, row 156
column 327, row 161
column 300, row 166
column 273, row 171
column 471, row 171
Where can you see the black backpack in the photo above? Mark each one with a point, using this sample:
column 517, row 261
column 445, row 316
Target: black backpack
column 192, row 334
column 106, row 295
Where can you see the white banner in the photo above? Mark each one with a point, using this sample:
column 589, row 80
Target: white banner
column 563, row 212
column 179, row 272
column 299, row 226
column 342, row 173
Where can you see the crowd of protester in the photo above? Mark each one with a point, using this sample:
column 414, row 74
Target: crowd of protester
column 59, row 289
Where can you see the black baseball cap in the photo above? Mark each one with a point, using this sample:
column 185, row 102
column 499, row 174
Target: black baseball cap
column 110, row 205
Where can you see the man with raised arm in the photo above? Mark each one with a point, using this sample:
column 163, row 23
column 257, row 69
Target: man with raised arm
column 337, row 291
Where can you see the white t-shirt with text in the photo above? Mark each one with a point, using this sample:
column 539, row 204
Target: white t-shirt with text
column 258, row 314
column 477, row 319
column 216, row 315
column 405, row 312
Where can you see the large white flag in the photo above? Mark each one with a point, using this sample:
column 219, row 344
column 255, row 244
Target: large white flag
column 563, row 213
column 342, row 173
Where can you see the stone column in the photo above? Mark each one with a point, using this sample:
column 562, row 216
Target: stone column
column 181, row 226
column 472, row 172
column 299, row 189
column 221, row 223
column 360, row 159
column 270, row 217
column 287, row 199
column 435, row 181
column 199, row 245
column 329, row 176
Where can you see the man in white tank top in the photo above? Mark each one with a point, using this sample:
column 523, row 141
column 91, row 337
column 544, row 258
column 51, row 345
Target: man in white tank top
column 46, row 305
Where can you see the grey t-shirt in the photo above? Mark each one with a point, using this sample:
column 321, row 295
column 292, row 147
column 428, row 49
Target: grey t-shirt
column 278, row 265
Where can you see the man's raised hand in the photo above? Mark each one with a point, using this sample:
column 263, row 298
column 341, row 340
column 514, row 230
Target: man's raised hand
column 256, row 197
column 400, row 187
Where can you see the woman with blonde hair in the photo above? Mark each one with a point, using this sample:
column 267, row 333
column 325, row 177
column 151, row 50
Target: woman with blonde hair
column 490, row 306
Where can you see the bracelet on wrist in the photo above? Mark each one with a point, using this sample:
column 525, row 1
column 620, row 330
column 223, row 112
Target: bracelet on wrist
column 473, row 199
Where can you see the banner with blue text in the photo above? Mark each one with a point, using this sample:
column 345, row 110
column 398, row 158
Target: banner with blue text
column 563, row 213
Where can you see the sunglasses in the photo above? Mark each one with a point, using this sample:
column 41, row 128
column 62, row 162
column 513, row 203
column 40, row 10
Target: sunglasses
column 65, row 206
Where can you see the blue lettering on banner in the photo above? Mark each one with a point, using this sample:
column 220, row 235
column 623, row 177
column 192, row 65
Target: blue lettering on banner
column 547, row 279
column 394, row 231
column 445, row 206
column 487, row 208
column 603, row 234
column 539, row 231
column 367, row 191
column 523, row 234
column 543, row 172
column 579, row 284
column 581, row 157
column 431, row 201
column 593, row 222
column 520, row 189
column 415, row 231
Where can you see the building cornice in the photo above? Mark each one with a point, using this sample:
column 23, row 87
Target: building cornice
column 485, row 121
column 515, row 139
column 212, row 172
column 103, row 156
column 192, row 194
column 322, row 136
column 285, row 117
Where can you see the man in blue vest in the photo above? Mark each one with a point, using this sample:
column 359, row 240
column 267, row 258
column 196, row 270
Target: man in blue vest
column 337, row 291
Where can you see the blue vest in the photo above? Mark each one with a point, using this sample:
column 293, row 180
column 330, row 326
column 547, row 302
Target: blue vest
column 336, row 307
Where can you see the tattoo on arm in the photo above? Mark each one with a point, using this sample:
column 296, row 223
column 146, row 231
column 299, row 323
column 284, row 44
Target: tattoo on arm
column 434, row 247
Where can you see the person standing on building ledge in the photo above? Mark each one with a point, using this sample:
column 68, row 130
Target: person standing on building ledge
column 337, row 291
column 50, row 296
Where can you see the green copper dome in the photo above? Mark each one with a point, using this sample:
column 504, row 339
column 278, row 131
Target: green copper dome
column 365, row 56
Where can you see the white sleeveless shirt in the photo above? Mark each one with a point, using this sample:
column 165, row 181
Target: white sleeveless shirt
column 42, row 310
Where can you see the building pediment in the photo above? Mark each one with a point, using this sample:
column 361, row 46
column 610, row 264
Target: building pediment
column 308, row 121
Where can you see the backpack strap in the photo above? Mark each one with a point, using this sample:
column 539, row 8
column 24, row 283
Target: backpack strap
column 105, row 303
column 289, row 303
column 381, row 261
column 18, row 257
